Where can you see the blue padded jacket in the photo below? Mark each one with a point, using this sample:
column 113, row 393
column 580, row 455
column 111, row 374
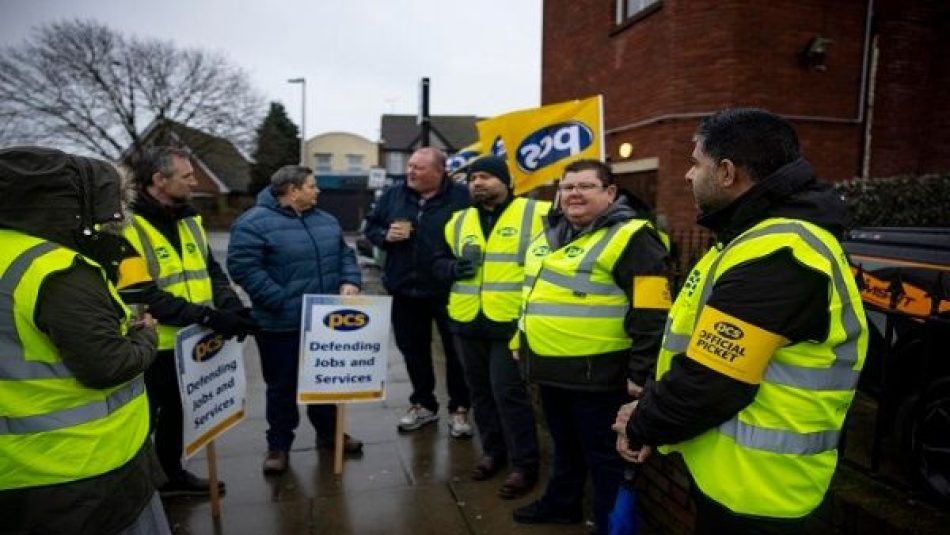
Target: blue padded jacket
column 277, row 256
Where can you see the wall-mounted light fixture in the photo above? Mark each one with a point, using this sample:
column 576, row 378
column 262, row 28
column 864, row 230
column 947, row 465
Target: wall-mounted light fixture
column 625, row 150
column 815, row 52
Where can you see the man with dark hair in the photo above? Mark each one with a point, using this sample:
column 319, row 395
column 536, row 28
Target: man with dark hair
column 166, row 231
column 75, row 456
column 408, row 223
column 484, row 258
column 282, row 248
column 765, row 341
column 595, row 299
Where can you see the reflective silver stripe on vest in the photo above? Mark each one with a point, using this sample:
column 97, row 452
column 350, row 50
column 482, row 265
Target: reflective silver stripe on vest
column 580, row 285
column 151, row 261
column 840, row 375
column 458, row 232
column 525, row 231
column 465, row 289
column 184, row 276
column 501, row 257
column 780, row 441
column 529, row 280
column 195, row 230
column 501, row 286
column 13, row 363
column 73, row 416
column 577, row 311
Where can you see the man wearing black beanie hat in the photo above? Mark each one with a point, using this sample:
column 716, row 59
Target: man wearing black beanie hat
column 484, row 257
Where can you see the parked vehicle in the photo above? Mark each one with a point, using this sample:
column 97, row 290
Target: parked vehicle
column 904, row 277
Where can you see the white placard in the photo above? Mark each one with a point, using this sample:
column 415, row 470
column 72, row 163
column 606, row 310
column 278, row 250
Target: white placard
column 344, row 348
column 212, row 384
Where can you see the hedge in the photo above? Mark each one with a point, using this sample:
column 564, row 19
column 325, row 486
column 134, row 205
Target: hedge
column 901, row 201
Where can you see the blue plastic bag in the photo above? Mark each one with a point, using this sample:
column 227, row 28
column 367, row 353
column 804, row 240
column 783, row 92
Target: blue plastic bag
column 623, row 518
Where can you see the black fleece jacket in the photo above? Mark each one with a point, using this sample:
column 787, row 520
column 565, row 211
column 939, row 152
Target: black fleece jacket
column 775, row 293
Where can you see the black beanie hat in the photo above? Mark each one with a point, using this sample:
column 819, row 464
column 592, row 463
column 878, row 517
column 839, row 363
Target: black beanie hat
column 493, row 165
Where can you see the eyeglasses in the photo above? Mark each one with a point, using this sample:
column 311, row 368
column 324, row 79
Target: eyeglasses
column 582, row 187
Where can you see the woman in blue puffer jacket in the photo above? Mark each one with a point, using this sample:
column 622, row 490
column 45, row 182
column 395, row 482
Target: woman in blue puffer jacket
column 283, row 248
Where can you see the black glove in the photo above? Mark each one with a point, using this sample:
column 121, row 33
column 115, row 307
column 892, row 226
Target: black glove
column 230, row 323
column 463, row 269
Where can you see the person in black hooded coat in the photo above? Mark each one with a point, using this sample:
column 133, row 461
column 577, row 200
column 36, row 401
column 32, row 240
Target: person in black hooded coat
column 75, row 203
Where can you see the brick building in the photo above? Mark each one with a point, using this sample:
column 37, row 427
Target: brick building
column 861, row 81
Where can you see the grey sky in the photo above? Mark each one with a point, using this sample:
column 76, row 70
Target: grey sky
column 361, row 58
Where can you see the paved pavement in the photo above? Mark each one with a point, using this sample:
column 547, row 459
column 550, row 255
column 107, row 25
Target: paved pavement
column 414, row 483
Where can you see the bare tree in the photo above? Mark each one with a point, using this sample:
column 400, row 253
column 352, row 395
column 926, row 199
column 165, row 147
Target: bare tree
column 84, row 85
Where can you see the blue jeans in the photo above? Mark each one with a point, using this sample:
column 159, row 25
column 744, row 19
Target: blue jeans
column 279, row 361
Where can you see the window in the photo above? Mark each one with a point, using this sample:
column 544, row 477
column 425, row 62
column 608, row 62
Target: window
column 321, row 162
column 354, row 162
column 396, row 163
column 628, row 9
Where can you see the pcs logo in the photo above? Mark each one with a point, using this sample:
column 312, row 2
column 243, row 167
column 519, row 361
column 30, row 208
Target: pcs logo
column 459, row 159
column 728, row 330
column 345, row 320
column 507, row 232
column 552, row 144
column 207, row 348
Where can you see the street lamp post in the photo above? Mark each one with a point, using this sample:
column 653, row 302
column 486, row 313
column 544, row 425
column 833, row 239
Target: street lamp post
column 303, row 117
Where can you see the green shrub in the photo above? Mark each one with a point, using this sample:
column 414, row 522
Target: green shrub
column 901, row 201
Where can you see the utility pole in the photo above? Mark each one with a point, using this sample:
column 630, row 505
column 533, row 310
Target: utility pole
column 303, row 117
column 424, row 120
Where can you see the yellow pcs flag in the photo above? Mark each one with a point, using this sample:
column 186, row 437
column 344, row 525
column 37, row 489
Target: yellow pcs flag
column 539, row 142
column 463, row 157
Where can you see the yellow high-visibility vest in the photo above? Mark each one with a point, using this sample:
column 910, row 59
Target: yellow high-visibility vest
column 496, row 286
column 183, row 275
column 775, row 458
column 52, row 428
column 572, row 306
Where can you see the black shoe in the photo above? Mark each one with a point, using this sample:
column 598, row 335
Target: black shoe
column 538, row 513
column 351, row 446
column 188, row 484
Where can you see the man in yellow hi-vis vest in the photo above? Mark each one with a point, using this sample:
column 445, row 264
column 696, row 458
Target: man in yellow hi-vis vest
column 485, row 261
column 594, row 300
column 74, row 450
column 166, row 231
column 765, row 341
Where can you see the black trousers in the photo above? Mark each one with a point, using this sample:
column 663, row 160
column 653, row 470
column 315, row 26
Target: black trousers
column 164, row 404
column 503, row 411
column 412, row 319
column 713, row 519
column 579, row 423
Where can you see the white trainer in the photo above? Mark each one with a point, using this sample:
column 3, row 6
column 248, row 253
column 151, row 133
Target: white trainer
column 416, row 417
column 459, row 424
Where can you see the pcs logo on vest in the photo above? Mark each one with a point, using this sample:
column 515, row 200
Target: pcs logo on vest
column 573, row 251
column 345, row 320
column 162, row 253
column 191, row 248
column 507, row 232
column 541, row 250
column 207, row 348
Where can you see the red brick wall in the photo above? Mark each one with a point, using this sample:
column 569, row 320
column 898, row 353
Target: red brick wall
column 911, row 123
column 690, row 58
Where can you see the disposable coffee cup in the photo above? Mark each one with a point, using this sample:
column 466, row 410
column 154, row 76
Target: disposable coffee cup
column 403, row 224
column 473, row 253
column 138, row 310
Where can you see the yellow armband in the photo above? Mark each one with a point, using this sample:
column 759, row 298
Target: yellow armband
column 731, row 346
column 132, row 271
column 651, row 291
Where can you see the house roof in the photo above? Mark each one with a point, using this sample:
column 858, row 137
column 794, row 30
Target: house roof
column 400, row 132
column 223, row 162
